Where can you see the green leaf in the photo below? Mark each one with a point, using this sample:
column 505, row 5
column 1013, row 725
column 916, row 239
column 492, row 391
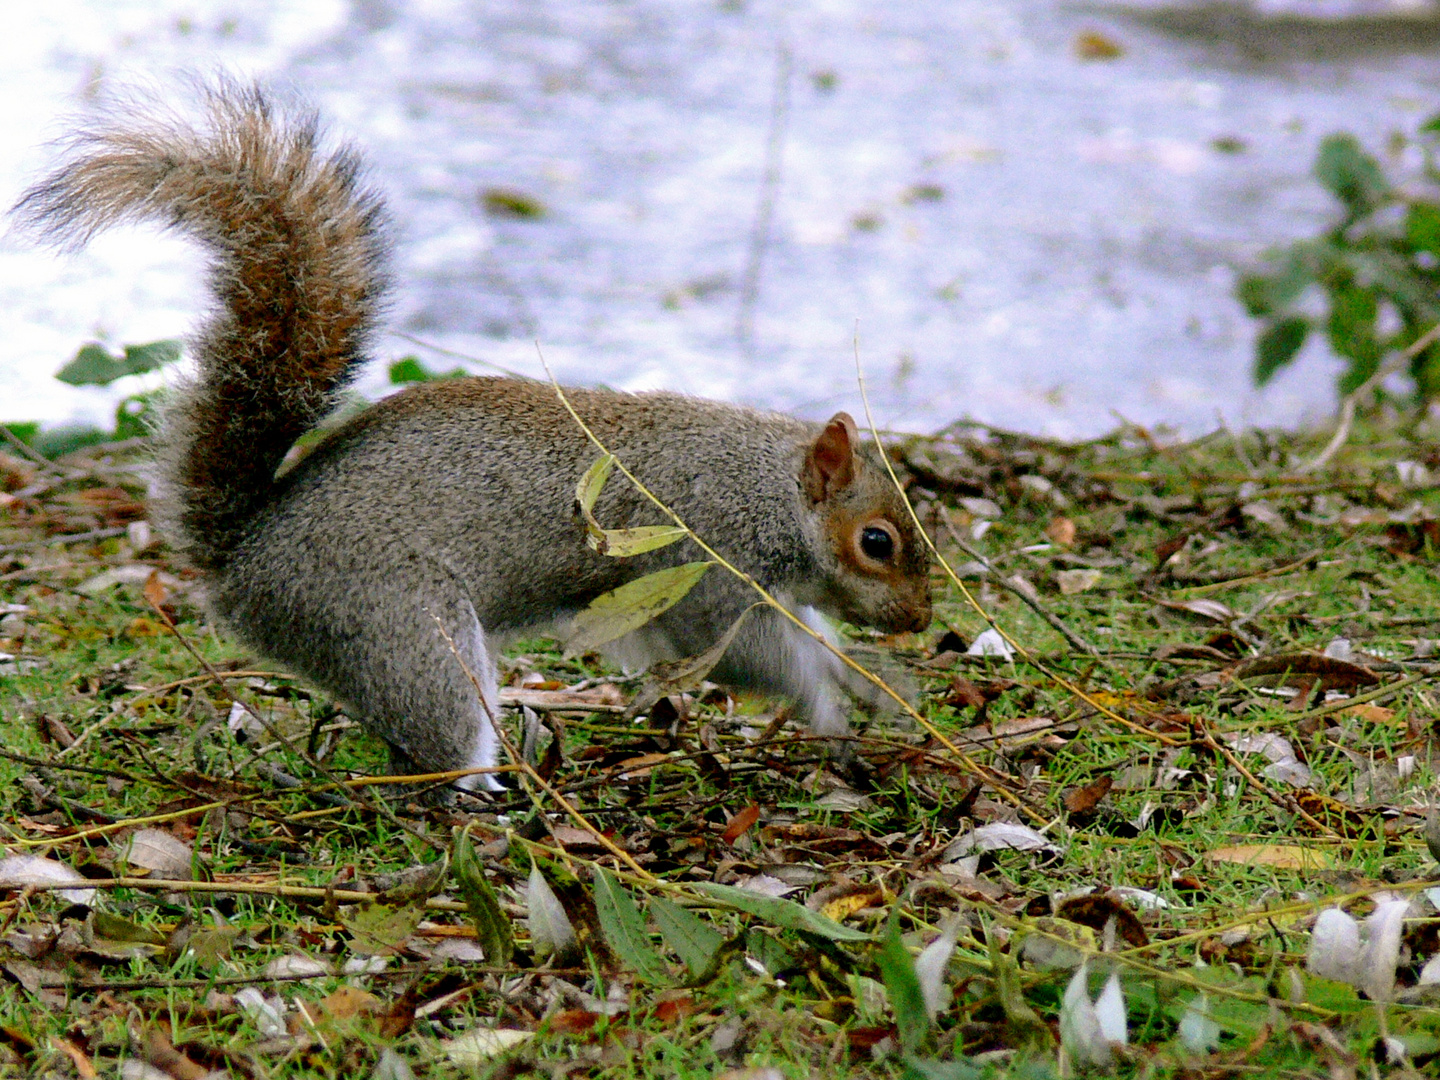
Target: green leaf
column 593, row 482
column 1271, row 294
column 1351, row 329
column 1422, row 227
column 1393, row 277
column 785, row 914
column 624, row 928
column 1431, row 126
column 897, row 971
column 409, row 369
column 695, row 941
column 92, row 366
column 1351, row 175
column 1277, row 345
column 382, row 929
column 492, row 928
column 614, row 614
column 150, row 356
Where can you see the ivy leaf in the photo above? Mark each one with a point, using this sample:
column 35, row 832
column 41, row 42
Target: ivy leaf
column 150, row 356
column 1277, row 345
column 1351, row 175
column 94, row 365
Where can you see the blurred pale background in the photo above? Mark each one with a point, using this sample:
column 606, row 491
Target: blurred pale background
column 1031, row 209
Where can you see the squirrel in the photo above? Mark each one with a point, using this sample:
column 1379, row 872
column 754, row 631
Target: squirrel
column 451, row 502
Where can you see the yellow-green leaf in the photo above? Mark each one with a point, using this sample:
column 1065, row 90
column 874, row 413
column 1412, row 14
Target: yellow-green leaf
column 622, row 542
column 618, row 543
column 593, row 482
column 614, row 614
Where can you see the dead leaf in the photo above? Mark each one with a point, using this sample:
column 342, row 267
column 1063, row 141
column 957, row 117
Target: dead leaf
column 1077, row 581
column 1280, row 856
column 740, row 823
column 474, row 1048
column 1205, row 608
column 349, row 1002
column 155, row 851
column 1098, row 909
column 1371, row 714
column 1082, row 800
column 155, row 590
column 1062, row 531
column 1093, row 45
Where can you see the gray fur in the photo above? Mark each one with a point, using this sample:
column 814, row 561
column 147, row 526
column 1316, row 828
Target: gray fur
column 451, row 505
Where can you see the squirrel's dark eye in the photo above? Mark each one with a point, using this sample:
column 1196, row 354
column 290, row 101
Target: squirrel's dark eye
column 877, row 543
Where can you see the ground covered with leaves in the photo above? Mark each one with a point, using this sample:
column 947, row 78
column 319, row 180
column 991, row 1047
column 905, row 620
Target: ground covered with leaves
column 1163, row 810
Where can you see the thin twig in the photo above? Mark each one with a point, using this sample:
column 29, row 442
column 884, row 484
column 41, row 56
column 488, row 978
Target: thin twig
column 765, row 208
column 29, row 452
column 468, row 358
column 1287, row 804
column 1056, row 623
column 1352, row 399
column 529, row 771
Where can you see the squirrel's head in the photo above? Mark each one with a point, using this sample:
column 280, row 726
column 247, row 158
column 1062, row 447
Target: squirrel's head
column 879, row 564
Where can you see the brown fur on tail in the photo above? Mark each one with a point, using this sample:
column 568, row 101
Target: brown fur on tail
column 298, row 250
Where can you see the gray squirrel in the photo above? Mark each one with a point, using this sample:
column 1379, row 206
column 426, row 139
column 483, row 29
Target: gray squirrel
column 450, row 504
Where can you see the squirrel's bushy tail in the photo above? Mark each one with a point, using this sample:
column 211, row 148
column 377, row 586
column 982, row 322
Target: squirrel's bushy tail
column 298, row 250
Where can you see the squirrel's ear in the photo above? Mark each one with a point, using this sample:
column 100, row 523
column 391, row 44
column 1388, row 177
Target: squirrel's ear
column 830, row 461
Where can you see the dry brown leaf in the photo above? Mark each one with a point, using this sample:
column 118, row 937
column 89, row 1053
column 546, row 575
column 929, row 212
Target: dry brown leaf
column 1371, row 714
column 740, row 823
column 350, row 1001
column 1082, row 800
column 1097, row 909
column 1093, row 45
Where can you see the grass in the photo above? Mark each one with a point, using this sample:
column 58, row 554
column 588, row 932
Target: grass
column 1212, row 577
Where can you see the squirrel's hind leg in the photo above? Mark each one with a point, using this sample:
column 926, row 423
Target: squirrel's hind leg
column 392, row 666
